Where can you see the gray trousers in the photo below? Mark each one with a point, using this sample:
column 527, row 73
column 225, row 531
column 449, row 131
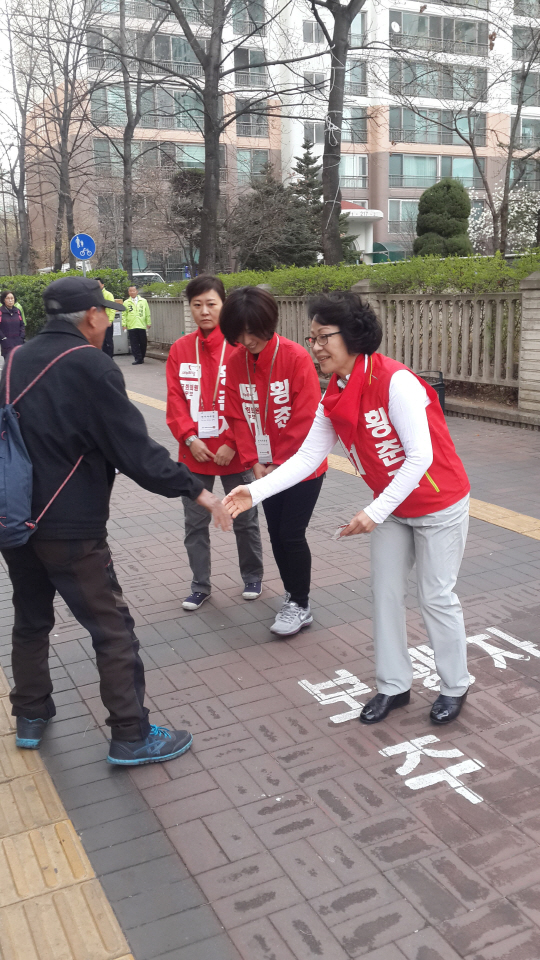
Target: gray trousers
column 435, row 543
column 197, row 535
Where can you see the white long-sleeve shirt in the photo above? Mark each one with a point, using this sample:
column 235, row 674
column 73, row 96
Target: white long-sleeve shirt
column 407, row 412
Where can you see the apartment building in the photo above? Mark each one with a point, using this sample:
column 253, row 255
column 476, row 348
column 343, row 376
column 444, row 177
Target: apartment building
column 410, row 69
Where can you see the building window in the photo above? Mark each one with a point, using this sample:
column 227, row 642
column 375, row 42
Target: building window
column 249, row 69
column 314, row 82
column 252, row 119
column 356, row 78
column 353, row 171
column 435, row 126
column 312, row 32
column 526, row 88
column 420, row 79
column 249, row 17
column 527, row 8
column 402, row 216
column 530, row 132
column 413, row 31
column 251, row 164
column 313, row 131
column 527, row 173
column 406, row 170
column 354, row 126
column 190, row 156
column 464, row 169
column 357, row 35
column 525, row 43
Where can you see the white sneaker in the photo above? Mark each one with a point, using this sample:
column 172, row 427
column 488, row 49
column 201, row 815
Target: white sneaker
column 291, row 619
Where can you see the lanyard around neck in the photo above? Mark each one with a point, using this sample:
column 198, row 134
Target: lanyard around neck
column 268, row 390
column 218, row 372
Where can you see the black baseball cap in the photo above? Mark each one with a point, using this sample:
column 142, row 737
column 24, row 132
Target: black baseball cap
column 72, row 294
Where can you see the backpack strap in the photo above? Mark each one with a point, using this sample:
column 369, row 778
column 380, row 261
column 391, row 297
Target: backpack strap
column 83, row 346
column 34, row 524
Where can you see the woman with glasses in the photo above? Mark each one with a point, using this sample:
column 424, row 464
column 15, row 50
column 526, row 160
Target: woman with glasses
column 392, row 425
column 271, row 396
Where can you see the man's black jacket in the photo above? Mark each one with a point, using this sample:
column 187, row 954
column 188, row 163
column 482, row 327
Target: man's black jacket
column 80, row 406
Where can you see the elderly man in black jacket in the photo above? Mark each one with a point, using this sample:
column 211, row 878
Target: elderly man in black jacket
column 80, row 407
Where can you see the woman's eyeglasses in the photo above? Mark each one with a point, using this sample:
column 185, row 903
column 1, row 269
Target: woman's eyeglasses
column 321, row 340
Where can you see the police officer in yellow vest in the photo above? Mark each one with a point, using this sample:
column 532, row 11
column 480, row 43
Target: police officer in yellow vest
column 136, row 318
column 108, row 345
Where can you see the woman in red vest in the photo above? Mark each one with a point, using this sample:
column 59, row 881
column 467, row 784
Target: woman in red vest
column 392, row 425
column 196, row 370
column 271, row 397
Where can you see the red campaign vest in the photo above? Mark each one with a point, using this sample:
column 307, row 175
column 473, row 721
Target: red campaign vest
column 359, row 415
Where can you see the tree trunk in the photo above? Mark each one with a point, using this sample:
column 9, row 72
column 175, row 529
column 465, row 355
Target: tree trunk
column 22, row 212
column 70, row 224
column 209, row 217
column 127, row 228
column 537, row 238
column 331, row 239
column 59, row 231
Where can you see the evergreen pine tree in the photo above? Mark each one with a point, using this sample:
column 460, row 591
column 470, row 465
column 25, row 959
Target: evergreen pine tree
column 307, row 187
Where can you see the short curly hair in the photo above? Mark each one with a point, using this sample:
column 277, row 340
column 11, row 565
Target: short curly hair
column 358, row 325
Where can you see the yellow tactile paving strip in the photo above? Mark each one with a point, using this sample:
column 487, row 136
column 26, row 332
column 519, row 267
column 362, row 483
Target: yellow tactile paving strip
column 51, row 905
column 500, row 516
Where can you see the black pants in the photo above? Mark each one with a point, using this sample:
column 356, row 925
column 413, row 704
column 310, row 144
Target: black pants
column 287, row 515
column 137, row 342
column 108, row 344
column 82, row 573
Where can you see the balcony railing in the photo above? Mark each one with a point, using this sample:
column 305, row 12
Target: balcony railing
column 436, row 91
column 149, row 11
column 433, row 45
column 178, row 67
column 407, row 180
column 353, row 183
column 402, row 226
column 243, row 26
column 244, row 176
column 398, row 135
column 528, row 142
column 249, row 78
column 358, row 88
column 251, row 129
column 357, row 39
column 353, row 134
column 475, row 4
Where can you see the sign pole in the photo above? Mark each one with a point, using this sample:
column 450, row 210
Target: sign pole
column 84, row 268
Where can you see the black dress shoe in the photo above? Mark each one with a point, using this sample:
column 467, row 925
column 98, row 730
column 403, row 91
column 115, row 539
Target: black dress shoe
column 380, row 706
column 445, row 709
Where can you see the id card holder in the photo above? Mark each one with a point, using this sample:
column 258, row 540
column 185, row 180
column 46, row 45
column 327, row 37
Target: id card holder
column 208, row 424
column 264, row 450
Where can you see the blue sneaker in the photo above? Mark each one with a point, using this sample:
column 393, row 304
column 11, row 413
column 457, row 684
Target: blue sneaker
column 195, row 600
column 253, row 590
column 160, row 744
column 29, row 733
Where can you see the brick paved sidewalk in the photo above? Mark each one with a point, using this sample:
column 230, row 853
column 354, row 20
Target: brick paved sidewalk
column 291, row 832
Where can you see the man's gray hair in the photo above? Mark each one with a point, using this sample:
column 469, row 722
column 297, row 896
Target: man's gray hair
column 74, row 318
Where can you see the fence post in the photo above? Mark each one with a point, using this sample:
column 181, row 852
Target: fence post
column 529, row 351
column 189, row 325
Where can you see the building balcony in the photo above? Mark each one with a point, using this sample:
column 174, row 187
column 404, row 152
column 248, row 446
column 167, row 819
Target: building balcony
column 244, row 177
column 249, row 78
column 251, row 129
column 402, row 226
column 243, row 26
column 434, row 45
column 353, row 183
column 397, row 135
column 528, row 142
column 356, row 88
column 357, row 39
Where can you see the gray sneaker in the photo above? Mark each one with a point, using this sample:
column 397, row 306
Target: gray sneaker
column 291, row 619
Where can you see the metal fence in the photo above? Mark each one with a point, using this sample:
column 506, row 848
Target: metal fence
column 470, row 338
column 167, row 320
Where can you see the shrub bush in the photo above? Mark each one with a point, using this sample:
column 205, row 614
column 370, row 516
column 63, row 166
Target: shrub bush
column 29, row 291
column 443, row 220
column 419, row 275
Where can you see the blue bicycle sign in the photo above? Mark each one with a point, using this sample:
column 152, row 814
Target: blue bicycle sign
column 82, row 246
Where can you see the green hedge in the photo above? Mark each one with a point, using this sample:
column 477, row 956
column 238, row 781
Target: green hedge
column 419, row 275
column 29, row 291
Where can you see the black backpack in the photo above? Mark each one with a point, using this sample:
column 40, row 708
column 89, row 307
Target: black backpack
column 16, row 525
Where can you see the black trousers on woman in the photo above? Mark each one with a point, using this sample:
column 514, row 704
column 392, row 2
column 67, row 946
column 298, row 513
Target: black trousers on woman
column 288, row 515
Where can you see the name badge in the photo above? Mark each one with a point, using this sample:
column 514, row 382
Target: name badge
column 208, row 424
column 194, row 406
column 264, row 450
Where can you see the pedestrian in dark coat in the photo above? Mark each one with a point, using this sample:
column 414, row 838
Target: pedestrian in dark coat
column 12, row 329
